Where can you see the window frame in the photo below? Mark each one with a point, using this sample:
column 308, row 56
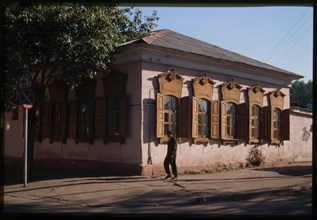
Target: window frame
column 114, row 85
column 231, row 92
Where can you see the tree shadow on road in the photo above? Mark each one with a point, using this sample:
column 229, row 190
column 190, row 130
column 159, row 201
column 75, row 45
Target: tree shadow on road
column 290, row 170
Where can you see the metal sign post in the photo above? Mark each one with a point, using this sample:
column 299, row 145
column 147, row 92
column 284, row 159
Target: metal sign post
column 27, row 100
column 26, row 147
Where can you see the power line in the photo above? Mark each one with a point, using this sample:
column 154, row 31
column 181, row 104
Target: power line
column 278, row 46
column 305, row 32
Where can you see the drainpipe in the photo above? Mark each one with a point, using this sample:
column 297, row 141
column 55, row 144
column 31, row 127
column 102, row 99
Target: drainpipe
column 149, row 160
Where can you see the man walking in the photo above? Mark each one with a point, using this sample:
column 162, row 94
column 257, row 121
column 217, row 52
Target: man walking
column 170, row 158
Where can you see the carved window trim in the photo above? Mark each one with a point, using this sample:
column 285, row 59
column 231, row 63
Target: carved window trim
column 170, row 84
column 255, row 98
column 276, row 101
column 230, row 93
column 203, row 88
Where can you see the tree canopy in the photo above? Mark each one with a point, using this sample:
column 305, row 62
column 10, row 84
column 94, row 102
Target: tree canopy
column 80, row 39
column 301, row 92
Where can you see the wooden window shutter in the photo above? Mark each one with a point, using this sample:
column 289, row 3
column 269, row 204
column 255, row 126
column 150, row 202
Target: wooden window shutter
column 72, row 119
column 285, row 124
column 100, row 118
column 194, row 117
column 265, row 123
column 46, row 120
column 242, row 122
column 214, row 125
column 159, row 115
column 184, row 112
column 122, row 118
column 223, row 120
column 64, row 122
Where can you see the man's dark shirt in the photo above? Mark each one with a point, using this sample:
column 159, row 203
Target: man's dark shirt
column 171, row 146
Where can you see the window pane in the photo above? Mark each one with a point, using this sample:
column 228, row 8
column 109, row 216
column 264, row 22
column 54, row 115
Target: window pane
column 173, row 117
column 173, row 103
column 206, row 131
column 166, row 117
column 206, row 119
column 166, row 103
column 113, row 116
column 84, row 119
column 200, row 119
column 57, row 117
column 200, row 130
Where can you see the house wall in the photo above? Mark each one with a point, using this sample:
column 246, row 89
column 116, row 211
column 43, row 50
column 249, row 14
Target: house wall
column 110, row 156
column 142, row 153
column 192, row 156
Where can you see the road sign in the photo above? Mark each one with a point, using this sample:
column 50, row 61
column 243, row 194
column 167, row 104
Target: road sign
column 27, row 98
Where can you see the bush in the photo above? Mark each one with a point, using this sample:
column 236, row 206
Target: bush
column 255, row 157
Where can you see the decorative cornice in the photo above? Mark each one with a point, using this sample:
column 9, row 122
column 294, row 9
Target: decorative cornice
column 231, row 85
column 277, row 93
column 170, row 75
column 204, row 80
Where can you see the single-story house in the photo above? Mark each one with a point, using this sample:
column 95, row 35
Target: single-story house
column 219, row 105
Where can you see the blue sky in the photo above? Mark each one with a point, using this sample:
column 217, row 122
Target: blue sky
column 280, row 36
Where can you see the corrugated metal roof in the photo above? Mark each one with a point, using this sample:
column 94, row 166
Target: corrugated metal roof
column 169, row 39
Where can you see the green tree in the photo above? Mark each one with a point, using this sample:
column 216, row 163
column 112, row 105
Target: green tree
column 301, row 92
column 80, row 40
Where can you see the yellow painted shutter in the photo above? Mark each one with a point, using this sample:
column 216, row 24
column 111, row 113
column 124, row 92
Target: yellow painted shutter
column 223, row 120
column 285, row 125
column 194, row 117
column 159, row 115
column 184, row 117
column 214, row 120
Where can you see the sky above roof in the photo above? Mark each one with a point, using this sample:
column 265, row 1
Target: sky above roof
column 279, row 36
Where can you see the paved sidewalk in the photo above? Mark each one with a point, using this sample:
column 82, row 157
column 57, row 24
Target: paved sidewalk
column 284, row 190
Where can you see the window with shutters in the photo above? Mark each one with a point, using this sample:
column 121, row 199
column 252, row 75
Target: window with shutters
column 57, row 119
column 255, row 122
column 113, row 116
column 205, row 113
column 277, row 124
column 255, row 114
column 275, row 119
column 82, row 112
column 85, row 122
column 167, row 102
column 232, row 113
column 203, row 118
column 111, row 110
column 170, row 114
column 54, row 112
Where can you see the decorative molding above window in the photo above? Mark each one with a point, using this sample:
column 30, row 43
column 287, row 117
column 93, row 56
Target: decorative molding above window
column 203, row 87
column 276, row 98
column 170, row 83
column 230, row 92
column 255, row 95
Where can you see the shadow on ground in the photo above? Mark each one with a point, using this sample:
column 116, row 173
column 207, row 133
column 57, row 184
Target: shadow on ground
column 14, row 175
column 289, row 170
